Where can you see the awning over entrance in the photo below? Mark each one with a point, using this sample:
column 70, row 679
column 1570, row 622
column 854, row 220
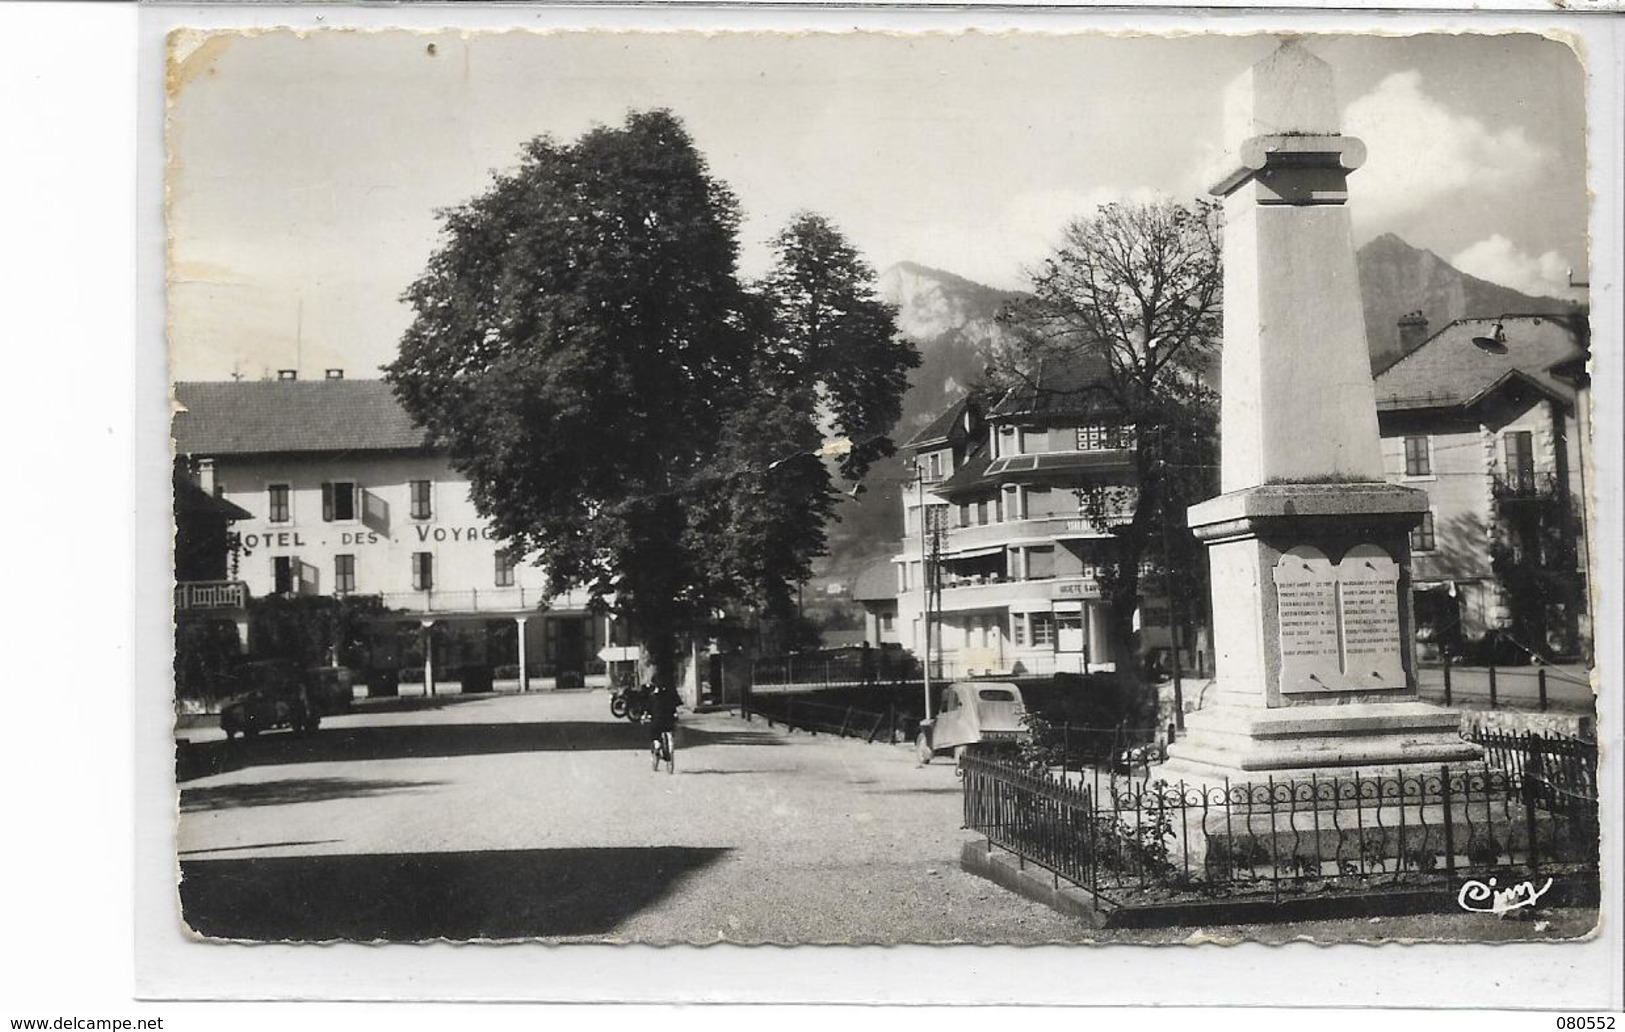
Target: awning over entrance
column 972, row 553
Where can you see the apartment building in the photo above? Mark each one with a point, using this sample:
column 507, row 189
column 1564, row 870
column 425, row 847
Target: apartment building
column 1010, row 512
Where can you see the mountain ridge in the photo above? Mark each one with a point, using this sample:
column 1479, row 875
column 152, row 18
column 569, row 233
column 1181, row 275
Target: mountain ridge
column 953, row 321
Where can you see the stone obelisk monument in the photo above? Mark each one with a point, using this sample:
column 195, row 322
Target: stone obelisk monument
column 1309, row 545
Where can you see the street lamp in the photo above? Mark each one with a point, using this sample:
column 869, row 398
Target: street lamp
column 1496, row 342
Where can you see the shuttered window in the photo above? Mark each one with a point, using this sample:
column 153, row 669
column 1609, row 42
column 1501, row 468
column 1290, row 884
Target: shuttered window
column 338, row 501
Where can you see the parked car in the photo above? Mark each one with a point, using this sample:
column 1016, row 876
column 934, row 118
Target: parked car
column 974, row 714
column 272, row 694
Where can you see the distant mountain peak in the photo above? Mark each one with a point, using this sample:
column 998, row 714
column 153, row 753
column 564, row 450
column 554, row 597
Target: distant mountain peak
column 1397, row 278
column 933, row 304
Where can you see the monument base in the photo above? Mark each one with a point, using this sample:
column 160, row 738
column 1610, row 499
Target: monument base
column 1244, row 742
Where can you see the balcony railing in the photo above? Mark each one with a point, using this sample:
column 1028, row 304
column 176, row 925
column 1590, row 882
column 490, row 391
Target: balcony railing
column 1050, row 527
column 196, row 595
column 989, row 593
column 515, row 600
column 1526, row 485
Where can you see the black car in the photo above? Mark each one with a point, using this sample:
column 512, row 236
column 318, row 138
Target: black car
column 272, row 694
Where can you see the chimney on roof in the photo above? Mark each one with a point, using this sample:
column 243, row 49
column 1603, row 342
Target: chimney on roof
column 335, row 374
column 287, row 374
column 1413, row 330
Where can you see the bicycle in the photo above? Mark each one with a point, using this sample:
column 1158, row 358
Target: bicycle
column 663, row 747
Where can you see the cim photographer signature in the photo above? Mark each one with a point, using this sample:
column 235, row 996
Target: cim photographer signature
column 1489, row 898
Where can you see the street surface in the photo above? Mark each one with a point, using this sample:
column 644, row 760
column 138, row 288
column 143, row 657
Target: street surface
column 537, row 817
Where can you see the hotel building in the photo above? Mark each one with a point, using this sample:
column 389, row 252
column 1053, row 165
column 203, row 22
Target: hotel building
column 338, row 493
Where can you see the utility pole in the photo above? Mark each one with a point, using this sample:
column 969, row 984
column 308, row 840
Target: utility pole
column 925, row 589
column 1168, row 581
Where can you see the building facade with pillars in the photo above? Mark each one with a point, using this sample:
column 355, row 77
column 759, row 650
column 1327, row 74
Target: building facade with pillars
column 1011, row 511
column 1488, row 416
column 346, row 497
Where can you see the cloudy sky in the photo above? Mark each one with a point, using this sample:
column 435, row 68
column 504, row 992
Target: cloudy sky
column 305, row 170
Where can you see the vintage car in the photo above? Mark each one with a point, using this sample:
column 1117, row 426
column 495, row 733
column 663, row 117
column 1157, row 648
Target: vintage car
column 272, row 694
column 974, row 714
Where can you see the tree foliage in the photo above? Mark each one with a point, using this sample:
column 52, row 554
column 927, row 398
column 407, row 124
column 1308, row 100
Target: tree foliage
column 1134, row 294
column 625, row 407
column 314, row 630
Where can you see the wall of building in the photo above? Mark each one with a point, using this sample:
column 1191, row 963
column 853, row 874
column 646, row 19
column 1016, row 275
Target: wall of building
column 1458, row 485
column 989, row 621
column 382, row 539
column 1467, row 454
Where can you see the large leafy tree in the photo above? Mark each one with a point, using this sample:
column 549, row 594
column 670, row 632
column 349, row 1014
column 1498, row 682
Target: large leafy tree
column 828, row 366
column 623, row 405
column 1134, row 292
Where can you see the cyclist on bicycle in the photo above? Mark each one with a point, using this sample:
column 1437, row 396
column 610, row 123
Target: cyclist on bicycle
column 663, row 704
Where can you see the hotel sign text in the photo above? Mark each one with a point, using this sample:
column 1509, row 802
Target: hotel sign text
column 421, row 534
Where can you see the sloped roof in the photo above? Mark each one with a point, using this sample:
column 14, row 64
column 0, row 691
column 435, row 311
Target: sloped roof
column 1059, row 390
column 192, row 500
column 264, row 417
column 970, row 474
column 877, row 583
column 947, row 426
column 1448, row 370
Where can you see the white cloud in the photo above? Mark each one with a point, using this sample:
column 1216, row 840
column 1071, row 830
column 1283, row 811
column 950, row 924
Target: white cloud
column 1499, row 260
column 1421, row 152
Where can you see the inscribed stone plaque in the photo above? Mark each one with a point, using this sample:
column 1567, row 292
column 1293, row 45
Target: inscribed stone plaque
column 1368, row 586
column 1306, row 610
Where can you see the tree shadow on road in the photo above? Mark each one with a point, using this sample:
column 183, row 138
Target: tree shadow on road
column 391, row 742
column 495, row 894
column 255, row 845
column 689, row 736
column 289, row 790
column 922, row 790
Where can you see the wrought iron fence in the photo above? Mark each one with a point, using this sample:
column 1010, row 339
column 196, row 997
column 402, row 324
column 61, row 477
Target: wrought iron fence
column 1559, row 772
column 1035, row 816
column 1119, row 838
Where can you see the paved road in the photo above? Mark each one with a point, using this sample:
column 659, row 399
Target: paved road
column 538, row 816
column 525, row 817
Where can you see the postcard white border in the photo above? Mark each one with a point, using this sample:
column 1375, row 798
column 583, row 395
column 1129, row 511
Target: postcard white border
column 169, row 966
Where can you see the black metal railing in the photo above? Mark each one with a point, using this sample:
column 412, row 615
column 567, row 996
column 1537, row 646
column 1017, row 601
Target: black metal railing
column 1521, row 484
column 799, row 712
column 1559, row 772
column 1271, row 839
column 1037, row 817
column 837, row 668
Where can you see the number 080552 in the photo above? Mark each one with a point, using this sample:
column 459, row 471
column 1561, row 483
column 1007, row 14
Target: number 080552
column 1605, row 1021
